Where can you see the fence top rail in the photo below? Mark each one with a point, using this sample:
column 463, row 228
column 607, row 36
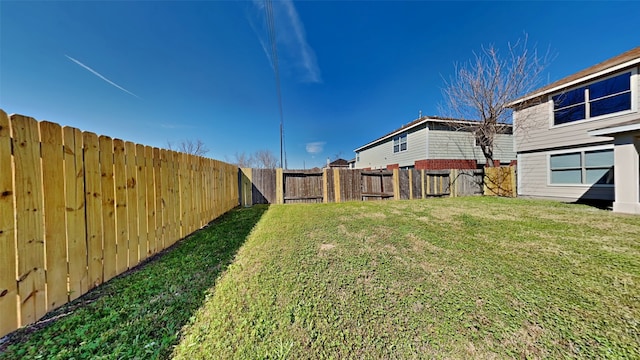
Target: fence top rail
column 437, row 172
column 302, row 172
column 378, row 172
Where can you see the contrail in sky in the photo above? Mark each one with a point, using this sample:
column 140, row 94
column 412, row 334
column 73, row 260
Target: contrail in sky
column 292, row 36
column 100, row 76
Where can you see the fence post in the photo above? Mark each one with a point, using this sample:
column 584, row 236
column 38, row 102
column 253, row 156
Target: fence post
column 396, row 184
column 325, row 187
column 422, row 183
column 279, row 187
column 246, row 181
column 453, row 183
column 336, row 184
column 514, row 183
column 410, row 184
column 485, row 185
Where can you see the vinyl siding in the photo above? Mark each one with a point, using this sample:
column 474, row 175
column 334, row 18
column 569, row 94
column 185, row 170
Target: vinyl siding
column 534, row 128
column 423, row 143
column 460, row 145
column 533, row 181
column 382, row 154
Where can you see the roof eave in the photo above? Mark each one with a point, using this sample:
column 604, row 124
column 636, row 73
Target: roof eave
column 584, row 79
column 391, row 135
column 608, row 131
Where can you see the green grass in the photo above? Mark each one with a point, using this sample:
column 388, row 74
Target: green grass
column 440, row 278
column 140, row 314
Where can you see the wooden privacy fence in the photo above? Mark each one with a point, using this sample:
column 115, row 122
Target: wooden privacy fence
column 500, row 181
column 77, row 209
column 278, row 186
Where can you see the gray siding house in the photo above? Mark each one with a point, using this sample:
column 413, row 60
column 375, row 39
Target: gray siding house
column 571, row 133
column 432, row 142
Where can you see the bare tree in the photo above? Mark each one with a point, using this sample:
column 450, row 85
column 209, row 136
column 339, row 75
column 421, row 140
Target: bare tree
column 265, row 159
column 196, row 147
column 242, row 160
column 483, row 87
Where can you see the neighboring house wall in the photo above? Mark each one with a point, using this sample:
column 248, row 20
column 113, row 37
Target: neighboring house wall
column 381, row 155
column 447, row 144
column 537, row 139
column 432, row 141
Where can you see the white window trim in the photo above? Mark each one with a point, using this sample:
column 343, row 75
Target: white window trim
column 571, row 151
column 406, row 142
column 633, row 83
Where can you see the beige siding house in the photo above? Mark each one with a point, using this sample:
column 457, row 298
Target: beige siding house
column 571, row 133
column 432, row 143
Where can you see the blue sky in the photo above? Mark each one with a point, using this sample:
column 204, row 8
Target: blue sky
column 350, row 71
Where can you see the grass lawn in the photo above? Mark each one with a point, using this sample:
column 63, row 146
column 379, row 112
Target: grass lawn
column 441, row 278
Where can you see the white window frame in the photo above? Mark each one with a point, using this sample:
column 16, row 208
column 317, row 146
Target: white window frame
column 573, row 151
column 399, row 138
column 633, row 83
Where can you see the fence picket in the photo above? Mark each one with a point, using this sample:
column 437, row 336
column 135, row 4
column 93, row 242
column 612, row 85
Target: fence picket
column 141, row 188
column 132, row 203
column 151, row 201
column 76, row 225
column 109, row 243
column 8, row 284
column 165, row 198
column 157, row 174
column 122, row 225
column 54, row 212
column 29, row 219
column 93, row 204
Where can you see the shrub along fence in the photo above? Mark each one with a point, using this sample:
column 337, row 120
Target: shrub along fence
column 278, row 186
column 77, row 209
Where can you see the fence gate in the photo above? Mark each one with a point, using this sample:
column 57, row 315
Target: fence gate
column 377, row 185
column 437, row 182
column 302, row 186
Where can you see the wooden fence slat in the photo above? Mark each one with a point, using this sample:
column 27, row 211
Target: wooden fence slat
column 151, row 201
column 181, row 180
column 110, row 265
column 141, row 188
column 9, row 320
column 167, row 205
column 54, row 214
column 132, row 204
column 75, row 204
column 174, row 197
column 122, row 217
column 157, row 175
column 29, row 218
column 93, row 201
column 336, row 184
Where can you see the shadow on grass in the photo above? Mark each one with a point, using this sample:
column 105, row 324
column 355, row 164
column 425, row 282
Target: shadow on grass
column 139, row 314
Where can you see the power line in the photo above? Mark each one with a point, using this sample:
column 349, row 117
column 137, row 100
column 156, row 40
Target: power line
column 274, row 58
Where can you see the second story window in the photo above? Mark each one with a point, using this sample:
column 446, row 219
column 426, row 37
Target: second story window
column 603, row 97
column 400, row 143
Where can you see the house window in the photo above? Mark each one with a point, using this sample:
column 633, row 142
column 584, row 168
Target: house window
column 583, row 168
column 400, row 143
column 603, row 97
column 357, row 157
